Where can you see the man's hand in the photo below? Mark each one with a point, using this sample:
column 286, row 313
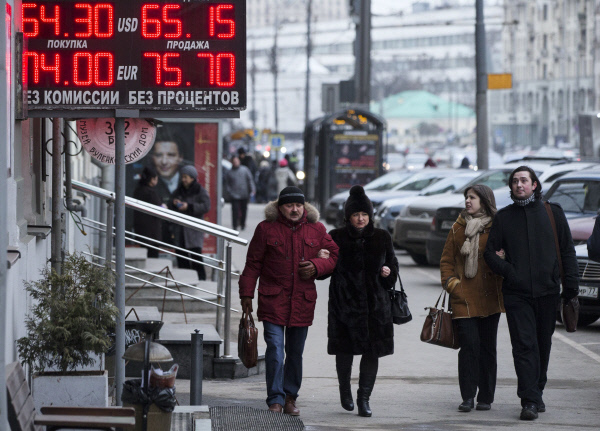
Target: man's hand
column 323, row 254
column 246, row 302
column 385, row 271
column 307, row 270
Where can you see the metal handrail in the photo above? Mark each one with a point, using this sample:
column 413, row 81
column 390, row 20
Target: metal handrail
column 165, row 214
column 166, row 251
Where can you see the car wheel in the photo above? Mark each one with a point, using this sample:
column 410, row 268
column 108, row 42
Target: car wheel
column 585, row 319
column 420, row 259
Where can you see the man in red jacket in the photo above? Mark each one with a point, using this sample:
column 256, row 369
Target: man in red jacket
column 283, row 256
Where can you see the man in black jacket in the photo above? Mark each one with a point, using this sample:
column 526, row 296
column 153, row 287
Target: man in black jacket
column 522, row 249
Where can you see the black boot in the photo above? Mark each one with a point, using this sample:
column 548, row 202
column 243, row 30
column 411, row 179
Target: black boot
column 365, row 387
column 345, row 389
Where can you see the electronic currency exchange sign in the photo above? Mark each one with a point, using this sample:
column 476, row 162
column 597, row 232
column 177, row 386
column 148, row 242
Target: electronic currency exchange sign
column 157, row 55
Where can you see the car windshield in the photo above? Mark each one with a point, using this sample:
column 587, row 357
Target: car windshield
column 578, row 196
column 388, row 181
column 447, row 185
column 494, row 180
column 421, row 180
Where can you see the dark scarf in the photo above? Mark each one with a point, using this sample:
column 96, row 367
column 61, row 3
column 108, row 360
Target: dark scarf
column 523, row 202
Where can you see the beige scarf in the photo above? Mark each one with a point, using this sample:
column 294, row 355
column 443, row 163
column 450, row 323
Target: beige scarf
column 470, row 248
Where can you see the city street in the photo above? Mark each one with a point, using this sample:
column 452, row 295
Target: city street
column 417, row 386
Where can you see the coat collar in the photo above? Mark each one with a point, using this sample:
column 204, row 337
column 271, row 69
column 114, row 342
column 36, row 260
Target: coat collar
column 311, row 214
column 368, row 231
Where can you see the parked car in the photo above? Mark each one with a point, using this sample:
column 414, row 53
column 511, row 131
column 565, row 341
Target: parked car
column 414, row 223
column 556, row 171
column 389, row 209
column 589, row 287
column 410, row 186
column 334, row 208
column 579, row 195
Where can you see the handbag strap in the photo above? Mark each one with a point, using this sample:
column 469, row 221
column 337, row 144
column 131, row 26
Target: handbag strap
column 400, row 280
column 553, row 223
column 443, row 292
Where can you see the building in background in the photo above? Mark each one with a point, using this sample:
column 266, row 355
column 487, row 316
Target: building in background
column 428, row 48
column 551, row 49
column 261, row 13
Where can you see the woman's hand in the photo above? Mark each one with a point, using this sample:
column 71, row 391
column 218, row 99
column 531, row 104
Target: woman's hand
column 500, row 253
column 180, row 205
column 323, row 254
column 385, row 271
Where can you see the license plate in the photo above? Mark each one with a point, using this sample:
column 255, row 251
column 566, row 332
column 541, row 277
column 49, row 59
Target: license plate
column 447, row 224
column 588, row 291
column 417, row 234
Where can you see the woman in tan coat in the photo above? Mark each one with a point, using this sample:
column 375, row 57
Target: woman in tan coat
column 475, row 297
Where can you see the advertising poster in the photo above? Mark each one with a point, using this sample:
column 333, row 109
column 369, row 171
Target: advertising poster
column 355, row 159
column 177, row 145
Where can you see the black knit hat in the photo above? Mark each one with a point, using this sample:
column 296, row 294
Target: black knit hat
column 357, row 202
column 290, row 195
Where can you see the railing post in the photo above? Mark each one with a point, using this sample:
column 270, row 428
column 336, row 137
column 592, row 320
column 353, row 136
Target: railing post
column 227, row 323
column 220, row 253
column 110, row 208
column 197, row 368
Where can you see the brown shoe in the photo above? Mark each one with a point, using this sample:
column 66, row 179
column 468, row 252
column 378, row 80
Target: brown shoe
column 290, row 407
column 277, row 408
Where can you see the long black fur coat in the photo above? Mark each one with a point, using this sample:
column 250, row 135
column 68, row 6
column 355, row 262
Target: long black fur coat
column 360, row 320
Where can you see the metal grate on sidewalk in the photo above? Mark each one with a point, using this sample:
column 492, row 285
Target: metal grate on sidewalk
column 240, row 418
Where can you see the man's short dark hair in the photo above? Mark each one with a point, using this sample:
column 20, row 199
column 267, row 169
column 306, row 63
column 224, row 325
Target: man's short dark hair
column 534, row 179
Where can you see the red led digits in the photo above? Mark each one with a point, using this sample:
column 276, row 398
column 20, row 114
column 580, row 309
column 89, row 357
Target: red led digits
column 214, row 17
column 231, row 81
column 92, row 20
column 218, row 62
column 211, row 66
column 51, row 68
column 157, row 69
column 35, row 28
column 110, row 69
column 91, row 66
column 55, row 19
column 177, row 70
column 109, row 20
column 176, row 22
column 152, row 27
column 87, row 20
column 36, row 66
column 161, row 64
column 76, row 62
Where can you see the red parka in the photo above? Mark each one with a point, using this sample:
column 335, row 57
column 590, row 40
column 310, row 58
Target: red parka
column 274, row 254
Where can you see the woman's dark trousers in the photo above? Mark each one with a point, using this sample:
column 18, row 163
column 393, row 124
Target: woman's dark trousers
column 477, row 364
column 188, row 264
column 368, row 373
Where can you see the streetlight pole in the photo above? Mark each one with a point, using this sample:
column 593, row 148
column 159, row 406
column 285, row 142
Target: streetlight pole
column 274, row 70
column 308, row 54
column 362, row 65
column 481, row 95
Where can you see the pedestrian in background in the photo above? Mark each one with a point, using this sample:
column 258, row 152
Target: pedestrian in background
column 475, row 297
column 521, row 248
column 266, row 181
column 247, row 161
column 285, row 176
column 146, row 224
column 240, row 186
column 192, row 199
column 283, row 256
column 360, row 319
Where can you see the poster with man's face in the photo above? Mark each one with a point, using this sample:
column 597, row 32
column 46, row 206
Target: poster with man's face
column 177, row 145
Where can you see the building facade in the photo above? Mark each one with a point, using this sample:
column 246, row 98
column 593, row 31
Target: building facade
column 261, row 13
column 431, row 49
column 551, row 50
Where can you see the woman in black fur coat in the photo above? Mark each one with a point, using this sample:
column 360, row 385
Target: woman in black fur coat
column 360, row 319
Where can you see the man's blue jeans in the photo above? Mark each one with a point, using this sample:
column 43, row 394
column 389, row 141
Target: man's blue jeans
column 283, row 359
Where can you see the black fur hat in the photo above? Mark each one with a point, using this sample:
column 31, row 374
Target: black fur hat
column 358, row 202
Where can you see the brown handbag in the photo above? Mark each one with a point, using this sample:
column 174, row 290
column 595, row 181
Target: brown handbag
column 569, row 310
column 439, row 329
column 248, row 341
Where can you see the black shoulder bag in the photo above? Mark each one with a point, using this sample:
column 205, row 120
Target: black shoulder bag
column 400, row 312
